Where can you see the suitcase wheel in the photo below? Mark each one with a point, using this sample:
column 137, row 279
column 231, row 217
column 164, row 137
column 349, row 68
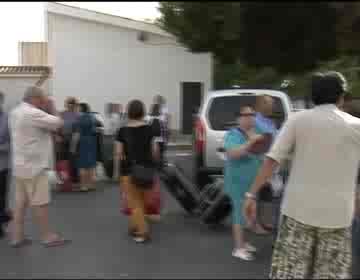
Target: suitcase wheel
column 179, row 188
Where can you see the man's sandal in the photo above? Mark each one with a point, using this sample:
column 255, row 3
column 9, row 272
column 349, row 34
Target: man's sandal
column 22, row 243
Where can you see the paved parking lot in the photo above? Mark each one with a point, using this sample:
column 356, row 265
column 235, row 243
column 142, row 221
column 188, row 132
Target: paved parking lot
column 181, row 248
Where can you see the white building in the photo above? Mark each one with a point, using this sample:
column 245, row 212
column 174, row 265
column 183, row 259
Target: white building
column 15, row 79
column 108, row 59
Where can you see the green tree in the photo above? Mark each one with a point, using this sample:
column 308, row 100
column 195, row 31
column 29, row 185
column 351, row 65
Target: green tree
column 288, row 37
column 291, row 37
column 204, row 27
column 348, row 27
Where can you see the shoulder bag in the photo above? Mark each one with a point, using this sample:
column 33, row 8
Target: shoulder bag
column 142, row 176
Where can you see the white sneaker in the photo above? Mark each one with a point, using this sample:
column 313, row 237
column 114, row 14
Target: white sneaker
column 250, row 248
column 243, row 254
column 139, row 239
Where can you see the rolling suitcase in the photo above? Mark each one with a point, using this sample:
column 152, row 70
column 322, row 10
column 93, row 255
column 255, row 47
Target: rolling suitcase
column 214, row 205
column 180, row 187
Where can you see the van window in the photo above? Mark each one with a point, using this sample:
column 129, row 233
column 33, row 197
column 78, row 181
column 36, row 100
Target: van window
column 223, row 110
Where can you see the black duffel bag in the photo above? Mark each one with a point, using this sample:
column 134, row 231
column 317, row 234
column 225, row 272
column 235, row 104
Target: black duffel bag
column 142, row 176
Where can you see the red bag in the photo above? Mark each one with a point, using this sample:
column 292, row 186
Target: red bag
column 152, row 201
column 63, row 171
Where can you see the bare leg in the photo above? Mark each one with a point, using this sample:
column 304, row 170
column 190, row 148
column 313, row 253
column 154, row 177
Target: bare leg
column 238, row 235
column 83, row 180
column 42, row 217
column 48, row 237
column 19, row 217
column 92, row 178
column 259, row 229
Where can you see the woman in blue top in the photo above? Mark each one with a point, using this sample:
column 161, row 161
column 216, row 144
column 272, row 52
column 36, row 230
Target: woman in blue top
column 85, row 140
column 241, row 168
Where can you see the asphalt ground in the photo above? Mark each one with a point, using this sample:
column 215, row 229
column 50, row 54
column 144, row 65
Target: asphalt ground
column 181, row 247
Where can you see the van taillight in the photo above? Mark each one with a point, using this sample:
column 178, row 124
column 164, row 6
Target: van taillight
column 199, row 136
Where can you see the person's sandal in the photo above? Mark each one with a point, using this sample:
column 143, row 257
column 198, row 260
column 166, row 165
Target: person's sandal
column 141, row 239
column 153, row 218
column 84, row 189
column 55, row 243
column 22, row 243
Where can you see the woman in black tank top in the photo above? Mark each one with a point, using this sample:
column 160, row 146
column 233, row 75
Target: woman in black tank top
column 134, row 142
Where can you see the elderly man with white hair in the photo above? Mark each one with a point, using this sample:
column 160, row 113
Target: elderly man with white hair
column 31, row 125
column 314, row 239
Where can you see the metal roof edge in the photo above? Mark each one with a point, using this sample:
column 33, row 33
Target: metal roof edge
column 85, row 14
column 25, row 70
column 20, row 75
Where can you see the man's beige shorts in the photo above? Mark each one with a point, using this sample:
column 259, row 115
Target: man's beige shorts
column 35, row 191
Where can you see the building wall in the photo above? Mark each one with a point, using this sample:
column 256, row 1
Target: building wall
column 33, row 53
column 14, row 89
column 101, row 63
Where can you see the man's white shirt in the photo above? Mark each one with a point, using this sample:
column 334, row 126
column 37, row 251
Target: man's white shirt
column 30, row 130
column 325, row 146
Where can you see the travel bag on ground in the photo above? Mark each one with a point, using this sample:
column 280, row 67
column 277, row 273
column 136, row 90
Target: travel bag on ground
column 214, row 206
column 180, row 187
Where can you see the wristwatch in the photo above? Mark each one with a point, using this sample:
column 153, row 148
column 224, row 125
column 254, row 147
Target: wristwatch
column 250, row 196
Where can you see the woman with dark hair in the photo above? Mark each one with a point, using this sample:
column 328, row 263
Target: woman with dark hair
column 241, row 167
column 70, row 117
column 135, row 146
column 84, row 146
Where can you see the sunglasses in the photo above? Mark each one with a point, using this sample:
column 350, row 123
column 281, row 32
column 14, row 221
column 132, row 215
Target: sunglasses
column 247, row 115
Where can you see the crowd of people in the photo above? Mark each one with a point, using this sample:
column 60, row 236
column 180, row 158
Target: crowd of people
column 34, row 137
column 313, row 228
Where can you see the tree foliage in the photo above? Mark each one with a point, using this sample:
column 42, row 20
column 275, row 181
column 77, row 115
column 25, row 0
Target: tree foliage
column 204, row 27
column 288, row 37
column 291, row 37
column 226, row 75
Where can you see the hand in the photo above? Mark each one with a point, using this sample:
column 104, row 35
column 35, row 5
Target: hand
column 255, row 138
column 249, row 211
column 50, row 106
column 58, row 138
column 122, row 157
